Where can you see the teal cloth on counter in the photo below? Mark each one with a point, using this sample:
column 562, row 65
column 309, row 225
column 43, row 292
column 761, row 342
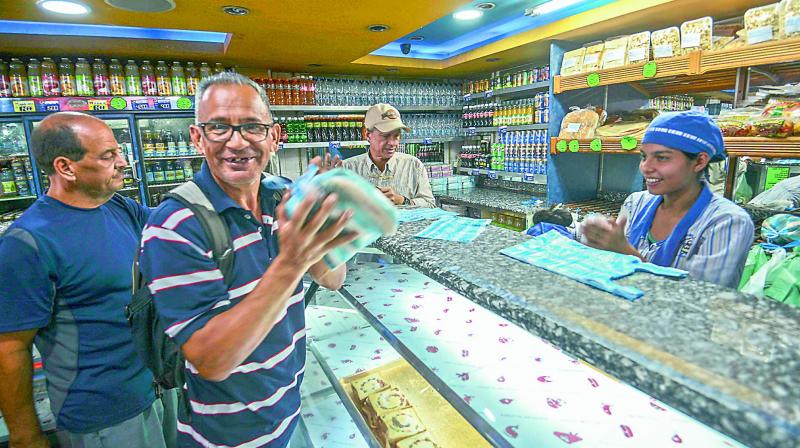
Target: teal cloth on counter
column 421, row 214
column 597, row 268
column 455, row 228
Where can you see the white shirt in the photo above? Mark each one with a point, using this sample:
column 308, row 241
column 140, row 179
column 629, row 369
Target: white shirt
column 404, row 173
column 716, row 245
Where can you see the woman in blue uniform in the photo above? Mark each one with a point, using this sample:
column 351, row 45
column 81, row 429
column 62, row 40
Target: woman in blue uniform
column 678, row 221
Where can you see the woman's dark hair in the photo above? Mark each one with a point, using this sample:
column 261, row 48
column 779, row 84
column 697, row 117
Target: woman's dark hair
column 50, row 142
column 694, row 156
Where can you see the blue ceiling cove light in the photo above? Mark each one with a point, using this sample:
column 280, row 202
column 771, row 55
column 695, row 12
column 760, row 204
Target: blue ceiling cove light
column 448, row 37
column 129, row 32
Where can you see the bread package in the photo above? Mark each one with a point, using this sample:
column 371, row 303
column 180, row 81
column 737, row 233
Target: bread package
column 615, row 52
column 399, row 425
column 697, row 34
column 790, row 18
column 382, row 403
column 368, row 385
column 666, row 43
column 580, row 123
column 593, row 57
column 421, row 440
column 762, row 24
column 639, row 47
column 573, row 62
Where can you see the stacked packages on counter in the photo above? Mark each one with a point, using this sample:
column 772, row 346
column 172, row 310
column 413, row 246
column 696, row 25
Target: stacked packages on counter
column 779, row 119
column 761, row 24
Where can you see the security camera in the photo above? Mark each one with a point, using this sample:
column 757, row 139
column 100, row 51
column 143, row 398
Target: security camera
column 405, row 48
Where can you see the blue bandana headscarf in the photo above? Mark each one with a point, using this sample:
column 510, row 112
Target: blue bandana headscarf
column 690, row 132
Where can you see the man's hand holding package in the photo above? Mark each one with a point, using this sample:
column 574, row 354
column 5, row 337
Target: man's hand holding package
column 396, row 199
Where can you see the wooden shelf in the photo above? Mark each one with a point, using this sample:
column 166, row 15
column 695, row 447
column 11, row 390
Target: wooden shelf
column 773, row 52
column 735, row 147
column 609, row 146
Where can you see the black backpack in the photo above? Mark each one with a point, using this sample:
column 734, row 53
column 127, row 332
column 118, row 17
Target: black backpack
column 158, row 351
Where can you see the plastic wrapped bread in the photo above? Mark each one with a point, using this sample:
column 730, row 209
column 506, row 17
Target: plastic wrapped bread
column 666, row 43
column 581, row 123
column 639, row 47
column 572, row 63
column 593, row 57
column 697, row 34
column 790, row 18
column 762, row 24
column 615, row 52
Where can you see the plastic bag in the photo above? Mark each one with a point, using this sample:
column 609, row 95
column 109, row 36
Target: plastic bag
column 756, row 283
column 580, row 123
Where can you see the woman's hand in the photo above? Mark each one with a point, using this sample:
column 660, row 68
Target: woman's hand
column 606, row 233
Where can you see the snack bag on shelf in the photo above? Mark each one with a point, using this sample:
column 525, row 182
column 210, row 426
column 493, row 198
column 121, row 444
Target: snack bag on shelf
column 666, row 43
column 614, row 52
column 762, row 24
column 735, row 128
column 697, row 34
column 581, row 123
column 790, row 18
column 773, row 127
column 639, row 47
column 784, row 109
column 573, row 62
column 593, row 57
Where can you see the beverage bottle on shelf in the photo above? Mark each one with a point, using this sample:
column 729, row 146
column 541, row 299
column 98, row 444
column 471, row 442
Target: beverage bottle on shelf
column 218, row 68
column 66, row 77
column 169, row 140
column 148, row 168
column 302, row 87
column 192, row 79
column 178, row 79
column 188, row 172
column 163, row 83
column 35, row 78
column 116, row 78
column 133, row 82
column 297, row 96
column 50, row 84
column 169, row 170
column 100, row 78
column 148, row 76
column 183, row 148
column 124, row 140
column 177, row 166
column 158, row 172
column 161, row 147
column 5, row 82
column 18, row 78
column 311, row 91
column 205, row 70
column 83, row 78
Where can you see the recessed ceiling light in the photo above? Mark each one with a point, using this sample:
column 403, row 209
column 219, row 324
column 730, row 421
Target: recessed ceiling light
column 236, row 10
column 416, row 38
column 64, row 7
column 485, row 6
column 392, row 69
column 378, row 28
column 468, row 14
column 493, row 60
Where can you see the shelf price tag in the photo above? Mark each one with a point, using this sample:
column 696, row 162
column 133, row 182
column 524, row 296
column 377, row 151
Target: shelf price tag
column 492, row 174
column 593, row 80
column 475, row 172
column 527, row 177
column 98, row 104
column 628, row 143
column 141, row 105
column 502, row 129
column 561, row 145
column 333, row 148
column 183, row 103
column 471, row 130
column 467, row 97
column 280, row 146
column 488, row 94
column 596, row 144
column 574, row 145
column 24, row 106
column 118, row 103
column 427, row 141
column 163, row 105
column 51, row 106
column 650, row 69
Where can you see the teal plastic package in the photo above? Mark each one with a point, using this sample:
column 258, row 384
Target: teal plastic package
column 374, row 215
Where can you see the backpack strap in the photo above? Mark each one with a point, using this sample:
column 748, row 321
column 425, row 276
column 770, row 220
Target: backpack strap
column 191, row 196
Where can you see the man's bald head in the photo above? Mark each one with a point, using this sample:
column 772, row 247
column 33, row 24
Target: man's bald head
column 60, row 135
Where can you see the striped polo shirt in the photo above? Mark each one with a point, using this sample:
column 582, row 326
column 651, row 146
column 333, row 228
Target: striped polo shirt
column 258, row 404
column 716, row 245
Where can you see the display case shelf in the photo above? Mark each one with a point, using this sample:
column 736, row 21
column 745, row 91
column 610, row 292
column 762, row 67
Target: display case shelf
column 324, row 144
column 170, row 184
column 540, row 179
column 734, row 146
column 521, row 127
column 519, row 91
column 16, row 198
column 435, row 139
column 150, row 159
column 334, row 109
column 13, row 156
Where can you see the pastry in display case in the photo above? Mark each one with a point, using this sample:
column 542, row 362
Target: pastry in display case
column 368, row 385
column 398, row 425
column 382, row 403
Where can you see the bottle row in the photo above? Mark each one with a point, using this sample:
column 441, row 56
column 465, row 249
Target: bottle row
column 527, row 111
column 16, row 178
column 431, row 153
column 320, row 128
column 166, row 143
column 512, row 159
column 168, row 171
column 503, row 80
column 365, row 92
column 49, row 79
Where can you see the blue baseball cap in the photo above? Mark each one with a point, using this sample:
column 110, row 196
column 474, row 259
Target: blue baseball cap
column 690, row 132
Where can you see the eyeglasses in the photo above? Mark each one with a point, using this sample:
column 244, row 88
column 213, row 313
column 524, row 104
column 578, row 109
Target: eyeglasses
column 222, row 132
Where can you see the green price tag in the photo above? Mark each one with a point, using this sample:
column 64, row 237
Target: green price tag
column 574, row 145
column 775, row 175
column 628, row 143
column 184, row 103
column 650, row 69
column 596, row 144
column 118, row 103
column 561, row 145
column 593, row 80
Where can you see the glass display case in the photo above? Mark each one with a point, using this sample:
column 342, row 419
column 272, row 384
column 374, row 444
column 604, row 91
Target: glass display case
column 471, row 377
column 17, row 185
column 168, row 155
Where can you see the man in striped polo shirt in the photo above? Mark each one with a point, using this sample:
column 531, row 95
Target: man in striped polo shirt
column 244, row 341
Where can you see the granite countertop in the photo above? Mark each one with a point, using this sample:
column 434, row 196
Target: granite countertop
column 726, row 359
column 492, row 198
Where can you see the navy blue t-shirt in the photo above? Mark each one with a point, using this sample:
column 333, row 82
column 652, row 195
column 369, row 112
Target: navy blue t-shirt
column 67, row 272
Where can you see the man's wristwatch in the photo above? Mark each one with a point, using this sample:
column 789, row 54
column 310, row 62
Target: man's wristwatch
column 406, row 201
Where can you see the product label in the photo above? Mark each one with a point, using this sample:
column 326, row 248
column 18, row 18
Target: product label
column 98, row 104
column 569, row 63
column 573, row 127
column 51, row 106
column 35, row 84
column 792, row 25
column 191, row 86
column 51, row 85
column 101, row 85
column 179, row 86
column 149, row 87
column 591, row 59
column 615, row 55
column 24, row 106
column 5, row 86
column 690, row 40
column 83, row 85
column 67, row 85
column 9, row 187
column 775, row 175
column 637, row 54
column 141, row 105
column 758, row 35
column 663, row 51
column 117, row 85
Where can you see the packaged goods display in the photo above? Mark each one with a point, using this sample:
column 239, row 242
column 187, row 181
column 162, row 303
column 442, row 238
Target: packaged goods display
column 432, row 125
column 572, row 63
column 762, row 24
column 666, row 43
column 697, row 34
column 515, row 152
column 790, row 18
column 518, row 77
column 615, row 52
column 639, row 47
column 670, row 103
column 593, row 57
column 321, row 128
column 526, row 111
column 426, row 153
column 580, row 123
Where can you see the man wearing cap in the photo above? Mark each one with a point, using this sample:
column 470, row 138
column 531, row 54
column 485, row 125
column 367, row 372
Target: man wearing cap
column 401, row 177
column 678, row 221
